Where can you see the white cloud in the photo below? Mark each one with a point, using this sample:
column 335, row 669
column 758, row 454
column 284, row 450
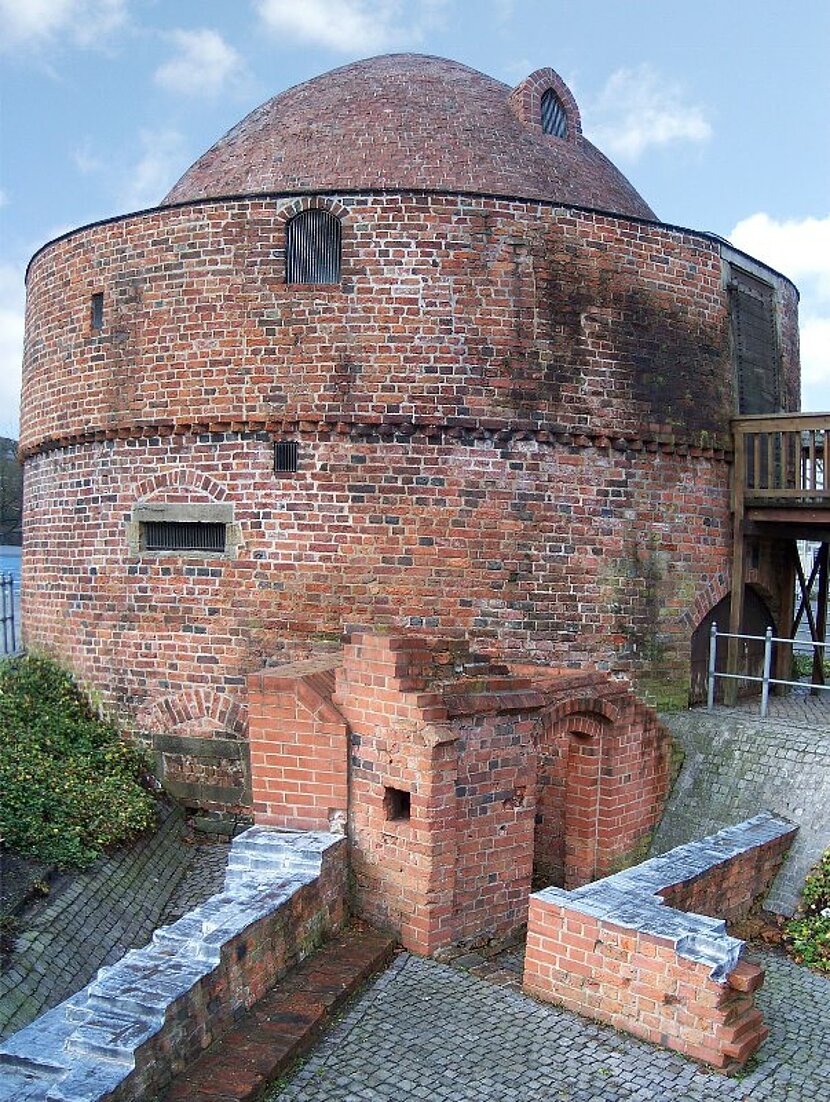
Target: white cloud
column 203, row 64
column 638, row 109
column 351, row 26
column 12, row 303
column 35, row 23
column 4, row 198
column 143, row 179
column 86, row 161
column 815, row 362
column 162, row 160
column 800, row 249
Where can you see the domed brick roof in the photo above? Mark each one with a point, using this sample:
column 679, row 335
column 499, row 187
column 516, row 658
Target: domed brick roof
column 410, row 121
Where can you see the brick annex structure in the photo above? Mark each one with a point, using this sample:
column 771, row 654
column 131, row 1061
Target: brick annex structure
column 367, row 473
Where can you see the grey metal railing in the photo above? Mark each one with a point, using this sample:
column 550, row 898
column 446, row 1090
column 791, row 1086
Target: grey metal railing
column 765, row 680
column 7, row 619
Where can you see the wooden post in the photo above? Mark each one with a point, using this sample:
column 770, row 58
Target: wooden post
column 821, row 618
column 784, row 651
column 736, row 604
column 736, row 614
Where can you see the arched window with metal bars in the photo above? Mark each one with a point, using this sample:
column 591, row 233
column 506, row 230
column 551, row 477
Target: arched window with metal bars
column 554, row 120
column 312, row 247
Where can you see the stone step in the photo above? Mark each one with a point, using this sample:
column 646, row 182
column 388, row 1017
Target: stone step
column 277, row 862
column 145, row 994
column 20, row 1085
column 88, row 1081
column 284, row 1024
column 36, row 1068
column 109, row 1035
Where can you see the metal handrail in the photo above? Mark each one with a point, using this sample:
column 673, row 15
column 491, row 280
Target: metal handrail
column 765, row 680
column 7, row 613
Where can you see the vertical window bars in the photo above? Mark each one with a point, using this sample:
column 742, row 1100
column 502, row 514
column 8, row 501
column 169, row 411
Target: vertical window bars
column 553, row 114
column 166, row 535
column 286, row 456
column 312, row 248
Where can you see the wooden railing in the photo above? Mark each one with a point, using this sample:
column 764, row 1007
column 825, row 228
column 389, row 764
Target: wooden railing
column 782, row 459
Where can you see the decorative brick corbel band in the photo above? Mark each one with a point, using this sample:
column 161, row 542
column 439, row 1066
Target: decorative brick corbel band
column 464, row 430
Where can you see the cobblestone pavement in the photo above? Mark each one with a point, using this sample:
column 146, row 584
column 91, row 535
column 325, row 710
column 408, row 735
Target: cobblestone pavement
column 798, row 708
column 428, row 1031
column 93, row 918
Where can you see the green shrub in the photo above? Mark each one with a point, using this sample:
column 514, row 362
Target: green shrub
column 802, row 666
column 69, row 785
column 807, row 936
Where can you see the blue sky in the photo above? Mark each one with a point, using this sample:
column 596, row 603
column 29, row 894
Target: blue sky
column 717, row 111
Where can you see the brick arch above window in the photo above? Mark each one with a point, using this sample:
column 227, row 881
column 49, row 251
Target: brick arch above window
column 190, row 482
column 182, row 513
column 206, row 708
column 526, row 101
column 312, row 202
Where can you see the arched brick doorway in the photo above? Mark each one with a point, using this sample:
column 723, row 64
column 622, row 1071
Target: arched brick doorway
column 757, row 618
column 567, row 833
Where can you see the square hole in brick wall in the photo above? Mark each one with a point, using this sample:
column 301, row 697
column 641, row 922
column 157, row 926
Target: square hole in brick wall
column 397, row 803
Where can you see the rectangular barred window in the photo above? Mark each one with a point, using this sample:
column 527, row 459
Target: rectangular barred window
column 286, row 456
column 183, row 528
column 166, row 535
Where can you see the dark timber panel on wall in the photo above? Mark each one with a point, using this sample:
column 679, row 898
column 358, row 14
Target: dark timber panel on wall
column 756, row 347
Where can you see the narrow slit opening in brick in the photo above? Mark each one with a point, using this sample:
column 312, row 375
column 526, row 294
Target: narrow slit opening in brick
column 397, row 803
column 96, row 311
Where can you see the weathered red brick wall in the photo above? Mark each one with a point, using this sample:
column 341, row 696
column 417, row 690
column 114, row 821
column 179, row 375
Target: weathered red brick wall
column 604, row 769
column 730, row 889
column 636, row 982
column 496, row 792
column 612, row 952
column 401, row 867
column 461, row 743
column 509, row 414
column 457, row 539
column 449, row 307
column 299, row 747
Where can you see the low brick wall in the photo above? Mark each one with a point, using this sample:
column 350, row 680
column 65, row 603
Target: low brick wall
column 299, row 747
column 619, row 951
column 141, row 1021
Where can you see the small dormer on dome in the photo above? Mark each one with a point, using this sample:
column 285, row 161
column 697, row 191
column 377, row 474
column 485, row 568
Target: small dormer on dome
column 544, row 102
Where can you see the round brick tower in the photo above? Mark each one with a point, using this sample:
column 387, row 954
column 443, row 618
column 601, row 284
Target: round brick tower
column 403, row 348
